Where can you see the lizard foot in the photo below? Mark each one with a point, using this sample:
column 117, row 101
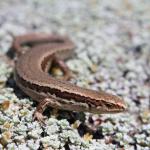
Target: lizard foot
column 38, row 116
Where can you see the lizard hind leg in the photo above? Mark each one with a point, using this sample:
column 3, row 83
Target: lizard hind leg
column 67, row 74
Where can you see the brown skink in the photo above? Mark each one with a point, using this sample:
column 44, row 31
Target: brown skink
column 31, row 75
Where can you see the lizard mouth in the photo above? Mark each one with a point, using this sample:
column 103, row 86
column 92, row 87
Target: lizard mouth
column 120, row 109
column 106, row 110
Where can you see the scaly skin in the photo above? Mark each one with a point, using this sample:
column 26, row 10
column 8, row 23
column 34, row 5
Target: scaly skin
column 32, row 77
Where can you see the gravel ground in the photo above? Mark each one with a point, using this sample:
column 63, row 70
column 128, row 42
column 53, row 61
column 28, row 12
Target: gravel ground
column 112, row 53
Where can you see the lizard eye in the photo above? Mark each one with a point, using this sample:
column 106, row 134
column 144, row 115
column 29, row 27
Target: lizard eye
column 90, row 105
column 108, row 105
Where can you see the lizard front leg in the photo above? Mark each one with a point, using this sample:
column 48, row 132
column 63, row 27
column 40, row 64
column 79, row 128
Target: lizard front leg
column 38, row 114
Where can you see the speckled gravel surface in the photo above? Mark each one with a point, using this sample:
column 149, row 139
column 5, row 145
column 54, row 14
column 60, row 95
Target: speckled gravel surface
column 112, row 53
